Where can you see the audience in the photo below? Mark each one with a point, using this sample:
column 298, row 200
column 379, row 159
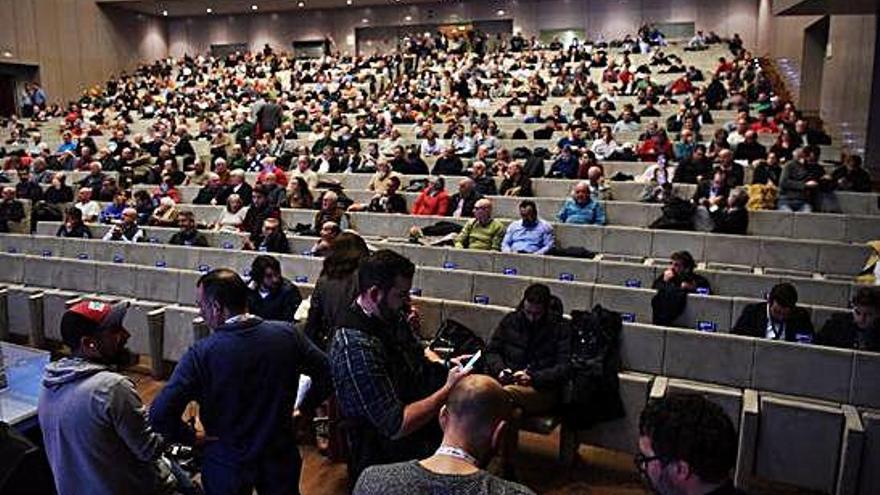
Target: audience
column 188, row 235
column 481, row 232
column 777, row 319
column 858, row 329
column 127, row 229
column 73, row 225
column 580, row 208
column 433, row 200
column 11, row 209
column 528, row 354
column 529, row 234
column 271, row 296
column 249, row 437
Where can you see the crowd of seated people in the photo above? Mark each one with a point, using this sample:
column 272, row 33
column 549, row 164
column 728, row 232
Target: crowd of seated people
column 361, row 322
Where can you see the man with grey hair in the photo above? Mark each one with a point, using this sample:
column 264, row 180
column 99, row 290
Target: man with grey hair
column 461, row 204
column 11, row 209
column 580, row 208
column 482, row 231
column 90, row 208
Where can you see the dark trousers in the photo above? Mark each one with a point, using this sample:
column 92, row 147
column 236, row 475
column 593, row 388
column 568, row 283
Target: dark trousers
column 275, row 475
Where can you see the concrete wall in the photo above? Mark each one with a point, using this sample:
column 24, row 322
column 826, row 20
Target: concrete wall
column 76, row 43
column 608, row 18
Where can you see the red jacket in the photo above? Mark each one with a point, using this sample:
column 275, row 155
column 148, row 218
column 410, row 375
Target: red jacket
column 426, row 204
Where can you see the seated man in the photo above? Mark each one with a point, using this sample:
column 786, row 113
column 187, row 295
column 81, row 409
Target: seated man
column 271, row 239
column 695, row 168
column 481, row 232
column 850, row 176
column 565, row 166
column 677, row 281
column 210, row 192
column 710, row 197
column 799, row 182
column 530, row 234
column 113, row 211
column 387, row 201
column 733, row 218
column 448, row 163
column 260, row 210
column 94, row 425
column 388, row 390
column 528, row 353
column 188, row 235
column 73, row 225
column 858, row 329
column 580, row 208
column 330, row 211
column 127, row 230
column 271, row 296
column 11, row 209
column 484, row 183
column 473, row 420
column 687, row 445
column 461, row 204
column 90, row 208
column 777, row 319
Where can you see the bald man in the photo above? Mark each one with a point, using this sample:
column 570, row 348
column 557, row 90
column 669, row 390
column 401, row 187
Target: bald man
column 473, row 422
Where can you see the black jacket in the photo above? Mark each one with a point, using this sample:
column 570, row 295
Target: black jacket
column 543, row 348
column 467, row 210
column 688, row 170
column 207, row 193
column 245, row 192
column 753, row 322
column 841, row 331
column 670, row 300
column 731, row 221
column 275, row 243
column 189, row 238
column 448, row 166
column 279, row 305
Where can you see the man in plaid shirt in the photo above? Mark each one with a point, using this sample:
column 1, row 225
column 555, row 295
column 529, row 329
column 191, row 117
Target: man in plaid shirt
column 389, row 391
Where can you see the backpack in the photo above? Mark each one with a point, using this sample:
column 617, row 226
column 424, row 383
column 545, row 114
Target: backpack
column 595, row 362
column 678, row 214
column 456, row 339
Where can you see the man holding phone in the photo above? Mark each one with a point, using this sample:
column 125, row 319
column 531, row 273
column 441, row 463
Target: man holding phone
column 528, row 354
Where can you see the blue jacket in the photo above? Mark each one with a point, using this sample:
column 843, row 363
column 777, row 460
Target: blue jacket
column 591, row 213
column 565, row 168
column 245, row 377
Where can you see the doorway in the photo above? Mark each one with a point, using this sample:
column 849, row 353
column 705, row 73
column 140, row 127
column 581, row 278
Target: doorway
column 815, row 50
column 7, row 95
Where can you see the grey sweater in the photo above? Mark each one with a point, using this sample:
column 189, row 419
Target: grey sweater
column 410, row 477
column 96, row 433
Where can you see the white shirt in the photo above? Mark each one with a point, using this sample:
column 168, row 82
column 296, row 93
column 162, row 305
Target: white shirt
column 90, row 210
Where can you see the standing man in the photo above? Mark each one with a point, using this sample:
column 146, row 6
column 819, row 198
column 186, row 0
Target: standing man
column 389, row 391
column 245, row 377
column 95, row 429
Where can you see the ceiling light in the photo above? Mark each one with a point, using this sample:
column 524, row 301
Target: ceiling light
column 501, row 12
column 165, row 13
column 255, row 7
column 209, row 10
column 347, row 2
column 7, row 54
column 408, row 18
column 365, row 20
column 300, row 4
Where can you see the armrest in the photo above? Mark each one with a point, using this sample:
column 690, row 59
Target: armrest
column 850, row 452
column 748, row 437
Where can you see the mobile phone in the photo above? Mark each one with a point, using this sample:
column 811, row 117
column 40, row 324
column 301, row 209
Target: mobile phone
column 472, row 361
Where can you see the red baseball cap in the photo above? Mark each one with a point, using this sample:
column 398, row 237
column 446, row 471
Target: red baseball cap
column 105, row 315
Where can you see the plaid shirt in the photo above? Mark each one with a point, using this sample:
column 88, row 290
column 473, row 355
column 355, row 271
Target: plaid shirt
column 378, row 369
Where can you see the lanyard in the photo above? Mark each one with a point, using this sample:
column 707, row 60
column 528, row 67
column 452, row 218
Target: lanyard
column 457, row 453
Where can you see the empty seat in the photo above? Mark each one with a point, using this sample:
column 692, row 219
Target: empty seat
column 156, row 284
column 178, row 331
column 795, row 255
column 481, row 318
column 802, row 369
column 54, row 306
column 626, row 274
column 865, row 389
column 642, row 347
column 636, row 302
column 626, row 240
column 501, row 290
column 706, row 308
column 666, row 242
column 869, row 479
column 730, row 363
column 798, row 442
column 518, row 264
column 446, row 284
column 730, row 399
